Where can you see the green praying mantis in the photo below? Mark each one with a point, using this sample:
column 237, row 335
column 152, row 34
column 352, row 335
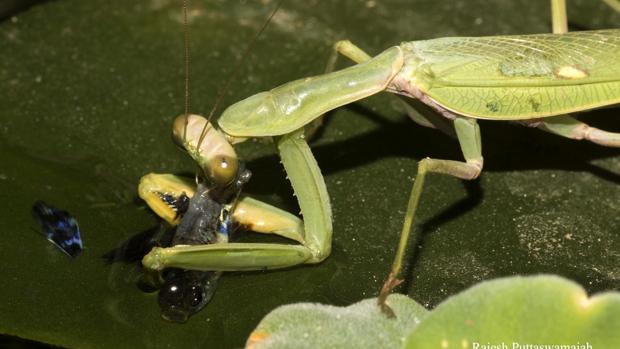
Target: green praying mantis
column 534, row 80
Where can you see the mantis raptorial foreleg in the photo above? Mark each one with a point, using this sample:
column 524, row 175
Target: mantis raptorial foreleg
column 315, row 236
column 249, row 213
column 349, row 50
column 260, row 217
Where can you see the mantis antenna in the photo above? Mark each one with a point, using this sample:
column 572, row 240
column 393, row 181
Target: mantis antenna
column 186, row 66
column 220, row 95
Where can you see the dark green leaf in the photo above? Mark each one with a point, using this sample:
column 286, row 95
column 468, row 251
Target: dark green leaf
column 90, row 88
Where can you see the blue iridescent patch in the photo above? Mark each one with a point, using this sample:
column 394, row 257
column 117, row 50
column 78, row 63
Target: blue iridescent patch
column 225, row 224
column 59, row 227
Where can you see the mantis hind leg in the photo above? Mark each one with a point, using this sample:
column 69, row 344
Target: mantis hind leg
column 468, row 134
column 569, row 127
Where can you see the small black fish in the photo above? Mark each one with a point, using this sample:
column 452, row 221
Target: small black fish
column 59, row 227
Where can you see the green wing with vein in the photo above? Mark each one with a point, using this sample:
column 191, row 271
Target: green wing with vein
column 519, row 77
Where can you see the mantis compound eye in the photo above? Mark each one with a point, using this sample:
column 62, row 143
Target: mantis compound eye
column 223, row 169
column 184, row 293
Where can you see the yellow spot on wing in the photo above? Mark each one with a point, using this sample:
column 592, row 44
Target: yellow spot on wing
column 570, row 72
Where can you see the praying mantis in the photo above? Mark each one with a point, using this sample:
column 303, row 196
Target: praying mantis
column 531, row 79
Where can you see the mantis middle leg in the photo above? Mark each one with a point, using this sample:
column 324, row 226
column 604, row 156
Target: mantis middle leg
column 468, row 134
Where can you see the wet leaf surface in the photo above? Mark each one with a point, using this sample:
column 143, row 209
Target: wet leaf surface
column 89, row 92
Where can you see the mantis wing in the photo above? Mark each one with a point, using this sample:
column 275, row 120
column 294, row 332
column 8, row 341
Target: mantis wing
column 519, row 77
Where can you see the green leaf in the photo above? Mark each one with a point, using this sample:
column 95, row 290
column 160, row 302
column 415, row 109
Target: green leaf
column 523, row 310
column 494, row 314
column 360, row 325
column 89, row 90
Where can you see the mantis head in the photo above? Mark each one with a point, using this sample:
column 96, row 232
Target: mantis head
column 207, row 146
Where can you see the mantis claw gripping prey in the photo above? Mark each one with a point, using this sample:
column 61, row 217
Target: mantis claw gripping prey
column 531, row 79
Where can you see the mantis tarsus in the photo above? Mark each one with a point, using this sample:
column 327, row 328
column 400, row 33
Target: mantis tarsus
column 531, row 79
